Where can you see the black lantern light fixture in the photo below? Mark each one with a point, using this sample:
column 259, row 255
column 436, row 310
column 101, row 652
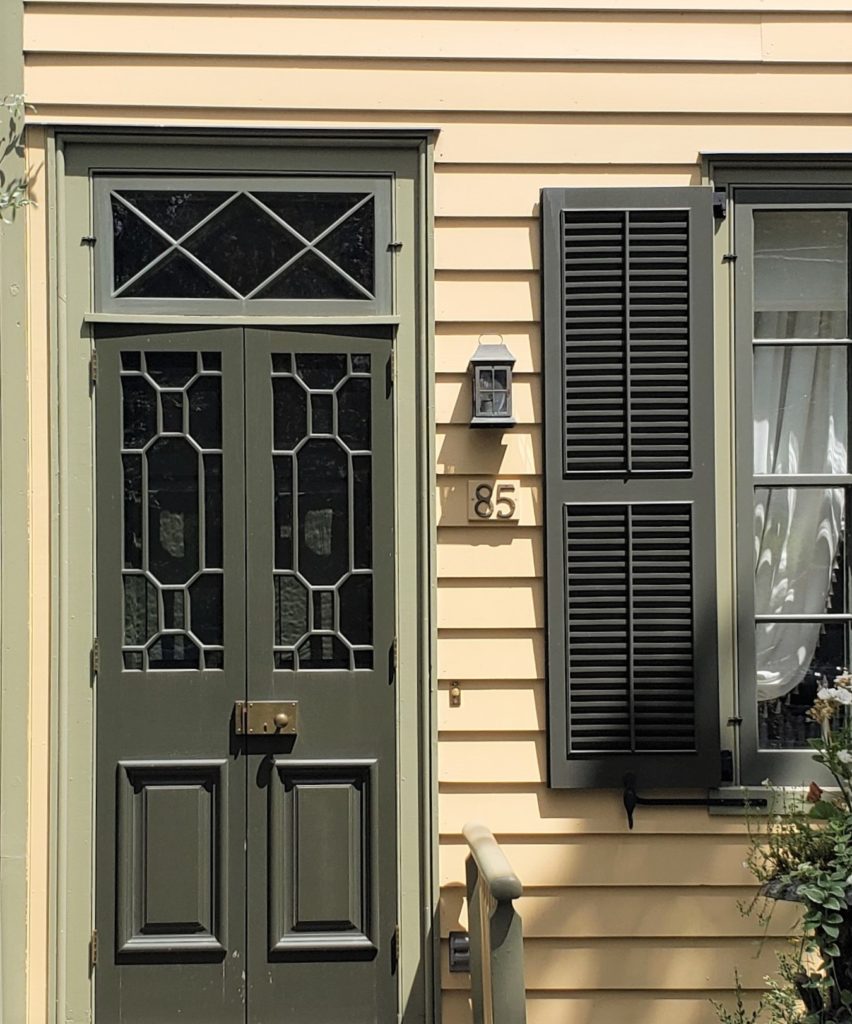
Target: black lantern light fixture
column 491, row 383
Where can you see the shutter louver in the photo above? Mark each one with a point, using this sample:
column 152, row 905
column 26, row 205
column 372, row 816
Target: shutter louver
column 626, row 336
column 628, row 368
column 629, row 618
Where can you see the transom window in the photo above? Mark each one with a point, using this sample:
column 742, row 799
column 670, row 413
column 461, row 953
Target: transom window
column 269, row 245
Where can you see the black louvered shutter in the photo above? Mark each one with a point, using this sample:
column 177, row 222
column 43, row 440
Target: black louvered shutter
column 629, row 482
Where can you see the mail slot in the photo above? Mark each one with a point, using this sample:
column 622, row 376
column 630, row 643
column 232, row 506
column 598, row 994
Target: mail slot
column 266, row 717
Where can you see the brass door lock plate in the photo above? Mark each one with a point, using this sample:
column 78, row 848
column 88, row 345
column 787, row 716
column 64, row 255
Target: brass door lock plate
column 266, row 717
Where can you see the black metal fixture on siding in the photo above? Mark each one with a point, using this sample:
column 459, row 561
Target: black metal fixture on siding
column 491, row 383
column 459, row 953
column 632, row 800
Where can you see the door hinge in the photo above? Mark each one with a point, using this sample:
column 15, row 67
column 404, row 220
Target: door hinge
column 96, row 656
column 395, row 949
column 93, row 368
column 93, row 948
column 390, row 373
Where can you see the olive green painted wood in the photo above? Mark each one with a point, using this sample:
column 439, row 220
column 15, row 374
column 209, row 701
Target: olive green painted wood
column 170, row 808
column 322, row 848
column 497, row 990
column 74, row 155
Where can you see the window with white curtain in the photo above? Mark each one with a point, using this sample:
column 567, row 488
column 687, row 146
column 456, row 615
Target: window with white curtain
column 793, row 338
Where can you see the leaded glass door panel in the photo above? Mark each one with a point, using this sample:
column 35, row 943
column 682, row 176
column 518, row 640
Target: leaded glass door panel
column 245, row 554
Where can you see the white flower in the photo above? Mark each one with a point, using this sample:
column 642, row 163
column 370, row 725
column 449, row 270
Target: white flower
column 844, row 696
column 826, row 694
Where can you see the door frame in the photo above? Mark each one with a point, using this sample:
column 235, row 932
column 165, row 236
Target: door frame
column 73, row 155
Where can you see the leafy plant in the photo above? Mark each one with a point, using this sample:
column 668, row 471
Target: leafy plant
column 14, row 192
column 805, row 854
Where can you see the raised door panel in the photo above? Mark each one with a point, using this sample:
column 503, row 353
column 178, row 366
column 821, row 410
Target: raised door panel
column 322, row 858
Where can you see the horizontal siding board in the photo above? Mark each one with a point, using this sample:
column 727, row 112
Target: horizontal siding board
column 121, row 29
column 505, row 190
column 455, row 343
column 535, row 810
column 734, row 7
column 647, row 1007
column 490, row 655
column 474, row 452
column 676, row 964
column 490, row 604
column 473, row 244
column 606, row 913
column 489, row 87
column 616, row 861
column 472, row 552
column 486, row 708
column 661, row 139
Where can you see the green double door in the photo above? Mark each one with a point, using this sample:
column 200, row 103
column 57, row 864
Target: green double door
column 246, row 864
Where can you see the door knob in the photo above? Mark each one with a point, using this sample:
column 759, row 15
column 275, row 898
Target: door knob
column 281, row 720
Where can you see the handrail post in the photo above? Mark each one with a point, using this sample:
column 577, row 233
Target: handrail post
column 496, row 932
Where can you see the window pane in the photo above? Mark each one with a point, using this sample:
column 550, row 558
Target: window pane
column 792, row 659
column 800, row 409
column 800, row 274
column 798, row 550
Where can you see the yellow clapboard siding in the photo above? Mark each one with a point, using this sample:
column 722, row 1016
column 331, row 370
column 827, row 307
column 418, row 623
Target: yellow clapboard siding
column 113, row 28
column 664, row 139
column 675, row 964
column 616, row 861
column 512, row 191
column 472, row 244
column 615, row 913
column 473, row 759
column 490, row 656
column 452, row 400
column 488, row 708
column 463, row 296
column 503, row 604
column 734, row 7
column 648, row 1007
column 456, row 343
column 536, row 810
column 479, row 452
column 817, row 38
column 503, row 551
column 489, row 86
column 452, row 506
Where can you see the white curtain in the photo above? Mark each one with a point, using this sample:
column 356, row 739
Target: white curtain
column 800, row 422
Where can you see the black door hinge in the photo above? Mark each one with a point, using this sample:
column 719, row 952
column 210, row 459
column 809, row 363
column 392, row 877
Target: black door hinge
column 96, row 656
column 93, row 368
column 395, row 949
column 88, row 240
column 93, row 949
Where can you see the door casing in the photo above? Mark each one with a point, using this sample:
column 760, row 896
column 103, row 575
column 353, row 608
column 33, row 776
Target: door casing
column 74, row 156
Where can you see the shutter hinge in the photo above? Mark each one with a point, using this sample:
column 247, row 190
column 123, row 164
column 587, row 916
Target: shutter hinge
column 395, row 949
column 88, row 240
column 93, row 949
column 394, row 246
column 392, row 658
column 390, row 374
column 729, row 257
column 93, row 368
column 96, row 656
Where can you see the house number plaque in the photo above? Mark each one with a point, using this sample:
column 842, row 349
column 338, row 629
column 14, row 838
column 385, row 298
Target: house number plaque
column 493, row 501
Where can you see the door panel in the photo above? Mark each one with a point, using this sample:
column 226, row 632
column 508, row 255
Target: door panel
column 322, row 804
column 243, row 877
column 170, row 861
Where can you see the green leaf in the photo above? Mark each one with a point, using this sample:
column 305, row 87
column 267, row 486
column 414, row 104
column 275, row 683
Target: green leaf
column 831, row 930
column 823, row 810
column 832, row 950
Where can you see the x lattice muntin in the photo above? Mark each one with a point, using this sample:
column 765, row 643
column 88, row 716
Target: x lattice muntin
column 259, row 246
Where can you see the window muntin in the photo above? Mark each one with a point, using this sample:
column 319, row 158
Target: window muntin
column 799, row 366
column 276, row 245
